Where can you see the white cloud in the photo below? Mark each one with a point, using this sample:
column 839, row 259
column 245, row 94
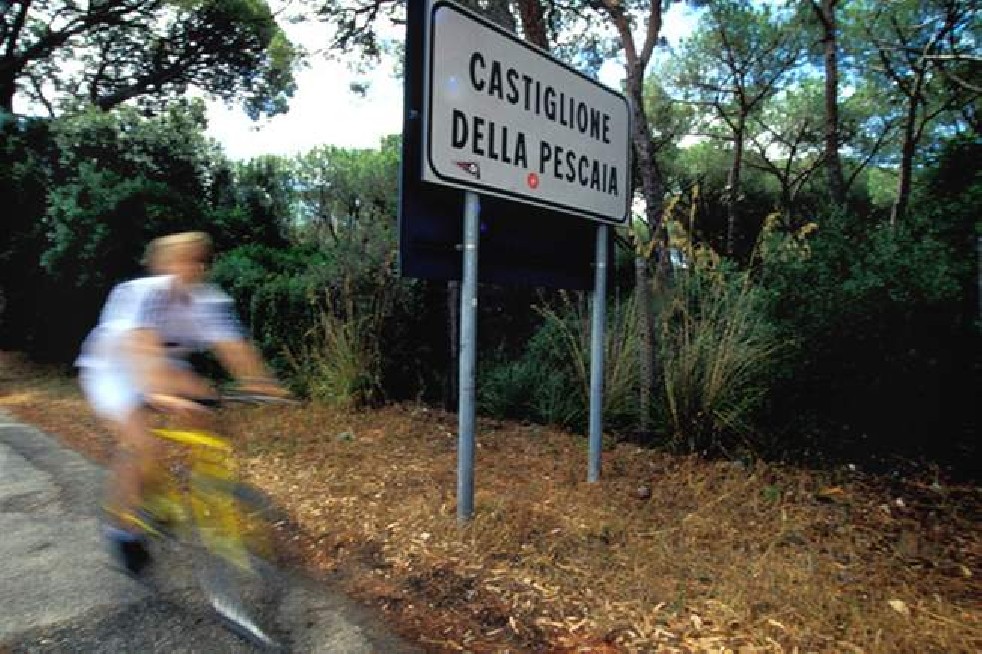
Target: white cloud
column 323, row 111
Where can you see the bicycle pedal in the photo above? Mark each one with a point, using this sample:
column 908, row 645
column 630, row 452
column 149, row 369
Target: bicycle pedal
column 139, row 520
column 164, row 511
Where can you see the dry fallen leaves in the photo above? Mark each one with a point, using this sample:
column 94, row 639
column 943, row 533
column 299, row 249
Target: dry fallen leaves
column 718, row 558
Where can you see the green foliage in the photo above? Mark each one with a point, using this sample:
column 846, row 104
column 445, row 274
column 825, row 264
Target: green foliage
column 252, row 202
column 108, row 182
column 63, row 54
column 706, row 166
column 871, row 314
column 24, row 176
column 120, row 180
column 275, row 291
column 735, row 58
column 535, row 387
column 339, row 188
column 551, row 381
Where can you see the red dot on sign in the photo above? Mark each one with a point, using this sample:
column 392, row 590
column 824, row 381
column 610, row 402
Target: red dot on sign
column 533, row 181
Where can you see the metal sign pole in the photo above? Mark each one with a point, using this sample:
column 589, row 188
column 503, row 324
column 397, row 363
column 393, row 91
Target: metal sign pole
column 597, row 355
column 468, row 357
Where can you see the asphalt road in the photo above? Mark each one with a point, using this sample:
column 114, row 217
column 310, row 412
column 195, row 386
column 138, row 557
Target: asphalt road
column 59, row 591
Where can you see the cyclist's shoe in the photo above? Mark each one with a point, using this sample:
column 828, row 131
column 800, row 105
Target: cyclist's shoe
column 128, row 550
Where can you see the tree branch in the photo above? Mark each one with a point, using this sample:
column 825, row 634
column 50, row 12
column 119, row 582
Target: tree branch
column 887, row 129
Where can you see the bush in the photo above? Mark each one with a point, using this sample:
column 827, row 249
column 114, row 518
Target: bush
column 276, row 294
column 338, row 362
column 550, row 383
column 326, row 322
column 871, row 313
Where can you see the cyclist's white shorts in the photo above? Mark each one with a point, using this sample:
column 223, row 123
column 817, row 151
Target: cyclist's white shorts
column 111, row 393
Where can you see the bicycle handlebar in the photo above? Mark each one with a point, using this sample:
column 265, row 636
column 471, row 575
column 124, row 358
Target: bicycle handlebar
column 255, row 398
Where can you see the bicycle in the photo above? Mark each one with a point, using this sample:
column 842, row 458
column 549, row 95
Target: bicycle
column 227, row 523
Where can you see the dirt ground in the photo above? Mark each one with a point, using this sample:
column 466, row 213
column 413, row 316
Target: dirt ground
column 666, row 554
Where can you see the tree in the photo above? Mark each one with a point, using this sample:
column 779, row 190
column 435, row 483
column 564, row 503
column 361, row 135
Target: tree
column 24, row 178
column 574, row 32
column 252, row 202
column 636, row 62
column 59, row 52
column 737, row 60
column 786, row 137
column 342, row 192
column 121, row 179
column 916, row 49
column 825, row 12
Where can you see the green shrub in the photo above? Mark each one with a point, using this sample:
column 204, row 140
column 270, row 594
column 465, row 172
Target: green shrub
column 276, row 293
column 872, row 316
column 536, row 387
column 550, row 383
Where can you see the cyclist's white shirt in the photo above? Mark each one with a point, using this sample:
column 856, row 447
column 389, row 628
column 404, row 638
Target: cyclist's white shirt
column 184, row 323
column 201, row 317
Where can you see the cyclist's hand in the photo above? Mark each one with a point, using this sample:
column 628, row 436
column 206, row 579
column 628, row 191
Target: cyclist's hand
column 174, row 405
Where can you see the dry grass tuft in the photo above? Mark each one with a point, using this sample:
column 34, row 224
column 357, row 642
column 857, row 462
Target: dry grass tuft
column 718, row 557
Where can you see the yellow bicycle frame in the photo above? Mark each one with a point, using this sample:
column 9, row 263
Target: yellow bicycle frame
column 213, row 506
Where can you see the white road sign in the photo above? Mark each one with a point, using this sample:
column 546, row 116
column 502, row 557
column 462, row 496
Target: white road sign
column 503, row 117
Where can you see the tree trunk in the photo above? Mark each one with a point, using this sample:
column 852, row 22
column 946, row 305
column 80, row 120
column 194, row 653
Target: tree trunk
column 833, row 164
column 733, row 188
column 644, row 149
column 652, row 187
column 533, row 23
column 906, row 164
column 647, row 382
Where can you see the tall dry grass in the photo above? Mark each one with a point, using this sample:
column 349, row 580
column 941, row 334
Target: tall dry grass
column 339, row 360
column 717, row 347
column 716, row 350
column 571, row 323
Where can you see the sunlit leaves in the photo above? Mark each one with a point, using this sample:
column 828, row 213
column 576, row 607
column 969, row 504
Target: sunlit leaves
column 62, row 55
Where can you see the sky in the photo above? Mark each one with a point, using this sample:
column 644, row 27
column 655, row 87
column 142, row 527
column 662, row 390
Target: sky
column 324, row 110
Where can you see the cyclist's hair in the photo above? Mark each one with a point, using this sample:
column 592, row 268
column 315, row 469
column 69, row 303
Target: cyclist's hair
column 156, row 247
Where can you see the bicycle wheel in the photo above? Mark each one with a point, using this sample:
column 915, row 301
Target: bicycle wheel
column 237, row 567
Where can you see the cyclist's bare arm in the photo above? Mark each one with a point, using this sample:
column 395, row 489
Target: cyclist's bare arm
column 242, row 360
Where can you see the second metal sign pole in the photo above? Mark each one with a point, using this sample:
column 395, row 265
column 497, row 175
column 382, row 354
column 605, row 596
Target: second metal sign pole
column 597, row 355
column 468, row 359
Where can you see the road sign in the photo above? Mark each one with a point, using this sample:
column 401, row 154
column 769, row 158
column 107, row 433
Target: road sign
column 521, row 243
column 503, row 118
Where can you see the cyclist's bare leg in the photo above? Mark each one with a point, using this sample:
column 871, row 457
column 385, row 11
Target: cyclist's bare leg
column 136, row 455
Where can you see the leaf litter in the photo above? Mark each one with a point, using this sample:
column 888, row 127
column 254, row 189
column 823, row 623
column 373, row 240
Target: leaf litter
column 713, row 556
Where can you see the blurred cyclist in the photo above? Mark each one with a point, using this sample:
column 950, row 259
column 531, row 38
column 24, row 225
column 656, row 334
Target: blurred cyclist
column 135, row 360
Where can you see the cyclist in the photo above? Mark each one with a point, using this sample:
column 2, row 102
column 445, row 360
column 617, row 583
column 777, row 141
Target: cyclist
column 135, row 361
